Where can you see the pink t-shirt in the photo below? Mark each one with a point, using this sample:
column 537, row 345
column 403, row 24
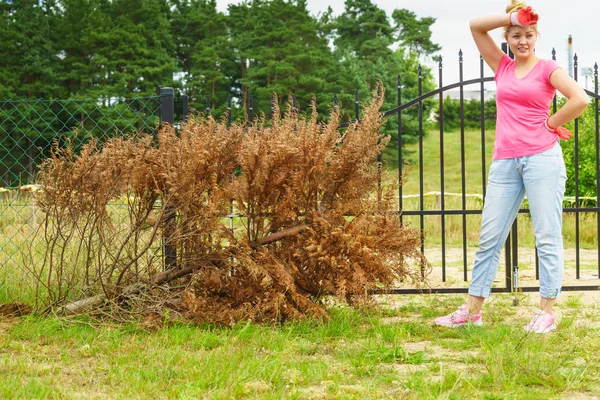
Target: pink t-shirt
column 522, row 106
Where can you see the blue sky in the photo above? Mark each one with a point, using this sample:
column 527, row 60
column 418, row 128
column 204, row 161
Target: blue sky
column 558, row 20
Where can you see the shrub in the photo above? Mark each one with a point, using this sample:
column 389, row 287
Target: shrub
column 472, row 114
column 314, row 221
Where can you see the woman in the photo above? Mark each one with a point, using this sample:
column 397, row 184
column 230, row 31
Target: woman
column 527, row 160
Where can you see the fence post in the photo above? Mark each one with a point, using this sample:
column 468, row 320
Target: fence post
column 399, row 133
column 250, row 110
column 356, row 105
column 507, row 50
column 167, row 105
column 184, row 107
column 442, row 163
column 596, row 114
column 167, row 114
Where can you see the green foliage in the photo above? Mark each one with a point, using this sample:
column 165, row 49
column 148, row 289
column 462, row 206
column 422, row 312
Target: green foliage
column 280, row 51
column 415, row 33
column 30, row 61
column 111, row 50
column 9, row 77
column 137, row 48
column 587, row 146
column 362, row 37
column 472, row 114
column 203, row 53
column 364, row 29
column 104, row 48
column 29, row 128
column 80, row 29
column 85, row 48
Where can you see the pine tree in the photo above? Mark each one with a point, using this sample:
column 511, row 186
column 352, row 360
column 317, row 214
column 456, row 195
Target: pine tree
column 82, row 24
column 364, row 29
column 31, row 63
column 414, row 33
column 30, row 69
column 136, row 58
column 9, row 39
column 363, row 37
column 281, row 52
column 203, row 52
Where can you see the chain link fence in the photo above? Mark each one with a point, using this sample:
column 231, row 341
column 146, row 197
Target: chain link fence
column 28, row 131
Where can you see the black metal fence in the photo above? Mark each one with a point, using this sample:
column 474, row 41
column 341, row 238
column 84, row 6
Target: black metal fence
column 511, row 251
column 28, row 128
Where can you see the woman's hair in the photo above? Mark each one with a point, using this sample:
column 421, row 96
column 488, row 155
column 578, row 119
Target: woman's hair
column 515, row 6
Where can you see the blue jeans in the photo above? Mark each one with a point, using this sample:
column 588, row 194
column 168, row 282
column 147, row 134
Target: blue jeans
column 542, row 177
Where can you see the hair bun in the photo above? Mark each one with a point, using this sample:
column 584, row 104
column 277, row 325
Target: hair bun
column 515, row 5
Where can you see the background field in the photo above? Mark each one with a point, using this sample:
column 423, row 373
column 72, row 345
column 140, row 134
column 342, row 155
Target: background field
column 474, row 189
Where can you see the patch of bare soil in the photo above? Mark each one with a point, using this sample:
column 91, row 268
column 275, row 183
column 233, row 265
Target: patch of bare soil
column 6, row 324
column 435, row 351
column 9, row 314
column 14, row 309
column 578, row 396
column 457, row 267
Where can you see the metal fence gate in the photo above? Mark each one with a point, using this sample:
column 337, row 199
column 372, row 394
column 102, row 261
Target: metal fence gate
column 28, row 128
column 584, row 280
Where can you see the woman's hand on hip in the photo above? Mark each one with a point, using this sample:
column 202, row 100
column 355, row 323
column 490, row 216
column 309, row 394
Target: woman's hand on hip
column 561, row 132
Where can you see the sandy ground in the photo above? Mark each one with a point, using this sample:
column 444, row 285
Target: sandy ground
column 588, row 268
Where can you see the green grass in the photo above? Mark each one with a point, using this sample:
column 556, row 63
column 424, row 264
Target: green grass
column 452, row 162
column 393, row 351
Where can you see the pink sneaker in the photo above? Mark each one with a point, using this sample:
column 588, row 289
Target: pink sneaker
column 459, row 318
column 542, row 322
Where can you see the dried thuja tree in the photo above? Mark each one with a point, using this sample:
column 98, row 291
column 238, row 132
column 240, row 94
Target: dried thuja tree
column 315, row 220
column 87, row 247
column 106, row 209
column 312, row 219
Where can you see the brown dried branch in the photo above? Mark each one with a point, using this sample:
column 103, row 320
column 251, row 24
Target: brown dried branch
column 282, row 234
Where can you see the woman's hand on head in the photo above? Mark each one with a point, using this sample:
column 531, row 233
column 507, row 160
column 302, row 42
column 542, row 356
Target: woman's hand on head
column 524, row 17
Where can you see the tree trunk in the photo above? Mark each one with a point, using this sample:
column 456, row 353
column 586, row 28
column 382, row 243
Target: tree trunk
column 244, row 88
column 90, row 303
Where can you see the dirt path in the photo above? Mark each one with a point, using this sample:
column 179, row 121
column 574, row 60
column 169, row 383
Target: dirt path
column 588, row 264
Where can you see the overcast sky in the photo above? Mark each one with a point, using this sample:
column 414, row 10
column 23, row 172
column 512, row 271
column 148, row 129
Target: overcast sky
column 558, row 20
